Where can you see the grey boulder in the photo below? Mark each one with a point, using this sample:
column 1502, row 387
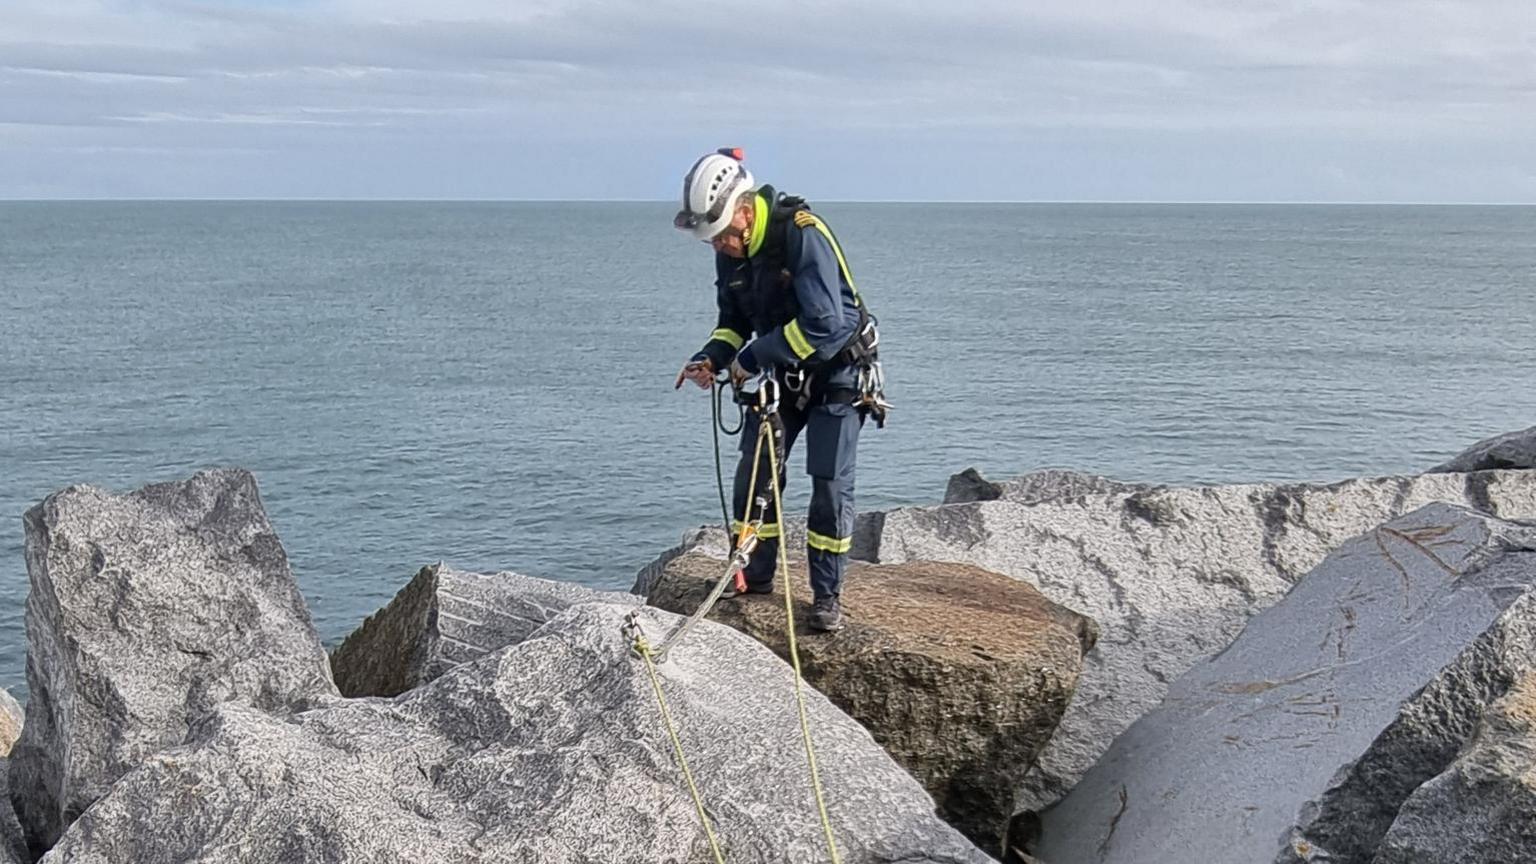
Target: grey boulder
column 12, row 718
column 960, row 674
column 1510, row 450
column 1483, row 808
column 1171, row 574
column 13, row 844
column 446, row 617
column 550, row 751
column 1302, row 740
column 146, row 610
column 712, row 540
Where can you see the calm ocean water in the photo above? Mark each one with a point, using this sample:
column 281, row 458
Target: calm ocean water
column 491, row 384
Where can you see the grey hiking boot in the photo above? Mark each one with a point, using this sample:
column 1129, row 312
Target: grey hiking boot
column 826, row 614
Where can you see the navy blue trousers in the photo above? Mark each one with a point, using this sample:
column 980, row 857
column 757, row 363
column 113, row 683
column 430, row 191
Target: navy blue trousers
column 831, row 448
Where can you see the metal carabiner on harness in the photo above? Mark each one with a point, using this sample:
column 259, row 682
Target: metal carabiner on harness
column 763, row 397
column 795, row 380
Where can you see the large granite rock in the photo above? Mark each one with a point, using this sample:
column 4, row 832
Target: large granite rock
column 1171, row 574
column 1510, row 450
column 446, row 617
column 550, row 751
column 1052, row 484
column 959, row 673
column 12, row 718
column 146, row 610
column 1302, row 740
column 13, row 844
column 711, row 539
column 1482, row 809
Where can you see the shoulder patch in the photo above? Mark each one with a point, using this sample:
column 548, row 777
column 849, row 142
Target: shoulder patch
column 804, row 218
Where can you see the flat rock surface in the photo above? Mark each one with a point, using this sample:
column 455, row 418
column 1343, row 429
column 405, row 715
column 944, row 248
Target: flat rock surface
column 959, row 673
column 446, row 617
column 146, row 610
column 1170, row 574
column 1301, row 740
column 550, row 751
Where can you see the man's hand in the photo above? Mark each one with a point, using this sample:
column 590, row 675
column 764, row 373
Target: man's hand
column 700, row 372
column 744, row 366
column 739, row 375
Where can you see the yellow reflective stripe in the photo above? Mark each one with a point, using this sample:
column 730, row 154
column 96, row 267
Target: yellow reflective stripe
column 768, row 531
column 835, row 545
column 797, row 341
column 759, row 225
column 729, row 337
column 807, row 219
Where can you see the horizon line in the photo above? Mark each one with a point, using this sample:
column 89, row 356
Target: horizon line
column 1029, row 201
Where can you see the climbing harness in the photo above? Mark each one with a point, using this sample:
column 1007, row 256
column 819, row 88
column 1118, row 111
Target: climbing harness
column 764, row 401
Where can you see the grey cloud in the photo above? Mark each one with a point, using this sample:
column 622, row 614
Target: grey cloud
column 323, row 76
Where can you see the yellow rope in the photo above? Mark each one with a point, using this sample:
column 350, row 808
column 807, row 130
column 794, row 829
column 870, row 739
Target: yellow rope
column 644, row 649
column 794, row 655
column 757, row 456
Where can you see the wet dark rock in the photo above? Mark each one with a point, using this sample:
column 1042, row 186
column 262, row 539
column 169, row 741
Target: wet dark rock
column 1512, row 450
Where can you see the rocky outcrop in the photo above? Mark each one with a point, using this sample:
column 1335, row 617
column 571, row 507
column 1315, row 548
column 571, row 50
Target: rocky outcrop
column 1484, row 807
column 146, row 610
column 1303, row 738
column 12, row 718
column 13, row 844
column 1171, row 574
column 446, row 617
column 1054, row 484
column 1510, row 450
column 549, row 751
column 959, row 673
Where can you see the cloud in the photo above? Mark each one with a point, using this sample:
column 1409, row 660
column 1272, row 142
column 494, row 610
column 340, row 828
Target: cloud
column 532, row 77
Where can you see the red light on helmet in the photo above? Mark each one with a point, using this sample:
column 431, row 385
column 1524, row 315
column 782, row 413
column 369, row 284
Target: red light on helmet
column 736, row 153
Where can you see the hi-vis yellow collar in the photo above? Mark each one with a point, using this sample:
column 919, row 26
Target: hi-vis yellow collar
column 759, row 225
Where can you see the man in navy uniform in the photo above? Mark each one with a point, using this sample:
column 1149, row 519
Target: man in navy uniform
column 787, row 305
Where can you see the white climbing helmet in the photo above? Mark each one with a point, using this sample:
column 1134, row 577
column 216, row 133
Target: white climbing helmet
column 710, row 192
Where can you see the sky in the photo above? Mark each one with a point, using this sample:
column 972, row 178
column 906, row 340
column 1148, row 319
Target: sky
column 1069, row 100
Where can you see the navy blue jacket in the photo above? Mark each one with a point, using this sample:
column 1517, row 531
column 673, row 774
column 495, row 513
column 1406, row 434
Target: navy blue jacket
column 793, row 292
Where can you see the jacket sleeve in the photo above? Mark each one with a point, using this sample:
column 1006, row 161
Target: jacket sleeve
column 822, row 327
column 731, row 326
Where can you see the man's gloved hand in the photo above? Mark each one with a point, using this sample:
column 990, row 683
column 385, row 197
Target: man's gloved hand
column 700, row 370
column 744, row 366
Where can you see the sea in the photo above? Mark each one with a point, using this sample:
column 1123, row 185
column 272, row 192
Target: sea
column 491, row 384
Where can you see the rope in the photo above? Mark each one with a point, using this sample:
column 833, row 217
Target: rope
column 644, row 649
column 730, row 568
column 794, row 656
column 717, row 426
column 698, row 614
